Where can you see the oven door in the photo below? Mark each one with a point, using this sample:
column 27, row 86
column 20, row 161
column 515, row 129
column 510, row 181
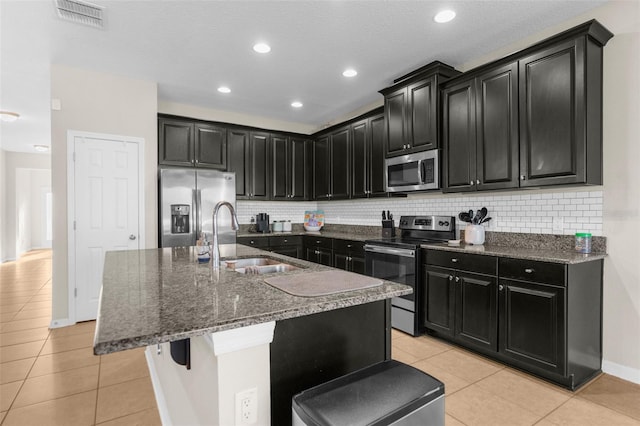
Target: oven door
column 393, row 264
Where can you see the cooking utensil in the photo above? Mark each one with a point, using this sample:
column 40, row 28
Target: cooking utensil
column 485, row 220
column 384, row 216
column 483, row 214
column 464, row 216
column 388, row 215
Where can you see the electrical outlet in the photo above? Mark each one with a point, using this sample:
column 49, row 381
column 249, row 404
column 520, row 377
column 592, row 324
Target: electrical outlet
column 247, row 407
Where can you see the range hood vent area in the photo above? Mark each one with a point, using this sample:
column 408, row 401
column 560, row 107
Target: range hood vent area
column 80, row 12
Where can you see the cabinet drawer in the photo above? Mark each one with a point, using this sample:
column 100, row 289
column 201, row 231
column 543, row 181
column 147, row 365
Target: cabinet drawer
column 285, row 241
column 313, row 241
column 253, row 241
column 348, row 246
column 463, row 261
column 531, row 270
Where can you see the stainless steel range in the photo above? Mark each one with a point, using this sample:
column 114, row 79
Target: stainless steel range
column 398, row 259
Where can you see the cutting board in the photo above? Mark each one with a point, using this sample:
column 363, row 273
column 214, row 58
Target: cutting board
column 322, row 283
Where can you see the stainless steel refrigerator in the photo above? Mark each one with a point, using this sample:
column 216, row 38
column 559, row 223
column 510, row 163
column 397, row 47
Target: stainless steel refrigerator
column 187, row 198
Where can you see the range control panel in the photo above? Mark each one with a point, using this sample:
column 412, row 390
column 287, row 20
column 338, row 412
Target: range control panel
column 427, row 223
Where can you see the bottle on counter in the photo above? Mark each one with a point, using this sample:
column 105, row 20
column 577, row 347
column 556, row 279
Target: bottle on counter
column 583, row 242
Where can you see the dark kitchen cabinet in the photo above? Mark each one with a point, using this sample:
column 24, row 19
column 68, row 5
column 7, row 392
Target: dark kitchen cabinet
column 367, row 159
column 411, row 109
column 238, row 160
column 210, row 146
column 459, row 302
column 321, row 169
column 290, row 245
column 561, row 114
column 258, row 172
column 532, row 323
column 531, row 119
column 480, row 131
column 318, row 249
column 290, row 174
column 191, row 143
column 340, row 141
column 542, row 317
column 175, row 142
column 332, row 166
column 349, row 255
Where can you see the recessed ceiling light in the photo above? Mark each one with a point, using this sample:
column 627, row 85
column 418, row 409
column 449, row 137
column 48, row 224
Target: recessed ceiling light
column 296, row 104
column 41, row 148
column 444, row 16
column 9, row 116
column 350, row 72
column 262, row 48
column 224, row 89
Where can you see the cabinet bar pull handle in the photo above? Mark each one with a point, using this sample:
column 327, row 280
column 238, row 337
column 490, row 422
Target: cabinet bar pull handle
column 457, row 279
column 477, row 181
column 523, row 177
column 454, row 260
column 500, row 287
column 529, row 271
column 450, row 277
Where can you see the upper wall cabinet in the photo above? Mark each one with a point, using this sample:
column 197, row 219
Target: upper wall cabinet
column 291, row 172
column 191, row 143
column 367, row 157
column 411, row 109
column 331, row 165
column 480, row 131
column 531, row 119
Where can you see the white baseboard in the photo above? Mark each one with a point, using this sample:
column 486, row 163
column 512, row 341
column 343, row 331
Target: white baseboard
column 163, row 410
column 8, row 259
column 64, row 322
column 621, row 371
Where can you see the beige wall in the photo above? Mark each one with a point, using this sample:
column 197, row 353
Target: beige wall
column 621, row 196
column 14, row 161
column 100, row 103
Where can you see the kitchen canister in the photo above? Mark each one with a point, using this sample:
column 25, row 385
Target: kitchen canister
column 474, row 234
column 286, row 226
column 583, row 242
column 277, row 226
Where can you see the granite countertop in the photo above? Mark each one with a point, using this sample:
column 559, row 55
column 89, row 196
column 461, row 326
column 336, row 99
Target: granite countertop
column 528, row 253
column 355, row 236
column 160, row 295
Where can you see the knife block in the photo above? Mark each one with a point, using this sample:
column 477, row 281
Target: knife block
column 388, row 229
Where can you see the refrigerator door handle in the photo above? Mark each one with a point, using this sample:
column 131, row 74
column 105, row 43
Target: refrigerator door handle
column 197, row 202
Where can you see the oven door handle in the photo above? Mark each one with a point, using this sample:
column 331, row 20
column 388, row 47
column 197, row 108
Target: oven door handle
column 389, row 250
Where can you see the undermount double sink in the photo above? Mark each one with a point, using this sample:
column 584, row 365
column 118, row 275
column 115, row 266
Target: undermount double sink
column 259, row 266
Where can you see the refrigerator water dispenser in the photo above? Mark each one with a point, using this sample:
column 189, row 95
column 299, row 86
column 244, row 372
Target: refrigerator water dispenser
column 180, row 218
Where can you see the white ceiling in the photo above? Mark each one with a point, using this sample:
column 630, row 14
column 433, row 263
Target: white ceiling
column 191, row 47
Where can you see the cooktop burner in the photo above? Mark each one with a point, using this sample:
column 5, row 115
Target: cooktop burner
column 416, row 230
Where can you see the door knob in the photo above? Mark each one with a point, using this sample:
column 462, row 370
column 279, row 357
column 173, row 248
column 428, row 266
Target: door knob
column 132, row 237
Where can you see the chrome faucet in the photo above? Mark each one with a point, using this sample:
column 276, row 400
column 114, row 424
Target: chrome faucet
column 215, row 255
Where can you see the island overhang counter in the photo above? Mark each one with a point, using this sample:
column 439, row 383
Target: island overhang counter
column 152, row 297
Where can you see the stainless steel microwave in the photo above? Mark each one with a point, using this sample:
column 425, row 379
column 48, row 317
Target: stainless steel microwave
column 413, row 172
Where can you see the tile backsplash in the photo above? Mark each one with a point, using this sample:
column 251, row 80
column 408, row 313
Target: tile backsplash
column 539, row 212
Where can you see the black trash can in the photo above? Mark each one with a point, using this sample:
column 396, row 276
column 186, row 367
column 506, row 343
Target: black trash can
column 387, row 393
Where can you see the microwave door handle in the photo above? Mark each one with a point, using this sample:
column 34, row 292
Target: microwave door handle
column 420, row 172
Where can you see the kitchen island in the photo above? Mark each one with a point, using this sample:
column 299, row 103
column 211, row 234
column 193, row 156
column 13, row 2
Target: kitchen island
column 243, row 334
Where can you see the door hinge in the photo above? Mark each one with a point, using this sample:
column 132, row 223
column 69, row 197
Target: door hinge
column 75, row 292
column 74, row 225
column 74, row 156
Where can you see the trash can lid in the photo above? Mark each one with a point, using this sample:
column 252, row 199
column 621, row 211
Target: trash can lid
column 375, row 395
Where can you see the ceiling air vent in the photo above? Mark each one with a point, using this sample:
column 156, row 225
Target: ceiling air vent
column 81, row 12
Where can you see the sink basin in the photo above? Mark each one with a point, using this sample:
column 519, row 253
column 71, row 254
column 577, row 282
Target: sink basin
column 259, row 266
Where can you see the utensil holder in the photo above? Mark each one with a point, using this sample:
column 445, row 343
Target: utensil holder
column 474, row 234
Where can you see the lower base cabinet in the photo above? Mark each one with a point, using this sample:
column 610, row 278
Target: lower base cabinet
column 541, row 317
column 285, row 245
column 349, row 255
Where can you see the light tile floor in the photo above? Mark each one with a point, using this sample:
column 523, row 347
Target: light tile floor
column 51, row 377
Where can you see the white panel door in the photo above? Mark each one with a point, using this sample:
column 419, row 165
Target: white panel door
column 106, row 212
